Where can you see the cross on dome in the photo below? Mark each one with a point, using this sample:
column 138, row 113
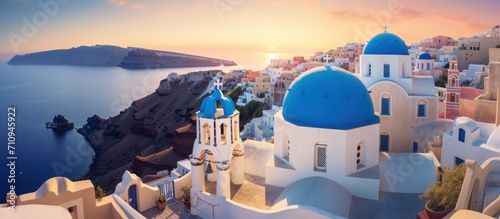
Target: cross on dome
column 218, row 84
column 327, row 57
column 385, row 28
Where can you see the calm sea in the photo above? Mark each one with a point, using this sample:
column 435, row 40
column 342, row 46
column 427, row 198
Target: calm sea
column 39, row 92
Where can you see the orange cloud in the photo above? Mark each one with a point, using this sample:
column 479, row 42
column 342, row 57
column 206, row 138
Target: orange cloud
column 354, row 15
column 119, row 2
column 128, row 3
column 467, row 22
column 454, row 16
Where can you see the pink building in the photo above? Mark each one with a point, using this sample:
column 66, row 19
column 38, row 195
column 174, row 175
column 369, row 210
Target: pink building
column 298, row 59
column 440, row 41
column 452, row 99
column 467, row 96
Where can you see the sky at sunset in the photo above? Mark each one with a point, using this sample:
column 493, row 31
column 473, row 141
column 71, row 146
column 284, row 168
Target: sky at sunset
column 211, row 26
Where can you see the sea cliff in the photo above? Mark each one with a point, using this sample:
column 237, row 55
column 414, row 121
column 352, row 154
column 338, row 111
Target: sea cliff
column 146, row 127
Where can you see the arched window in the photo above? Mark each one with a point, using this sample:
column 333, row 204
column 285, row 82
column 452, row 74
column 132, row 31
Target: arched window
column 206, row 133
column 428, row 66
column 403, row 69
column 385, row 105
column 369, row 69
column 223, row 131
column 452, row 97
column 421, row 108
column 320, row 157
column 387, row 70
column 461, row 134
column 453, row 81
column 385, row 141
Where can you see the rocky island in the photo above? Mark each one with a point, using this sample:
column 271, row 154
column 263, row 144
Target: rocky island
column 59, row 123
column 114, row 56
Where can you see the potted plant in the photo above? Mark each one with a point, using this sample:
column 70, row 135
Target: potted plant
column 443, row 196
column 161, row 202
column 99, row 193
column 186, row 197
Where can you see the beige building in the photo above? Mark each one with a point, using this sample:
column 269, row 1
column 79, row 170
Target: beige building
column 282, row 83
column 494, row 54
column 77, row 197
column 475, row 51
column 259, row 85
column 130, row 197
column 401, row 99
column 486, row 104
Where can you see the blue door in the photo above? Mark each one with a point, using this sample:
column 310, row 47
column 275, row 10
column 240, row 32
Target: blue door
column 384, row 142
column 167, row 189
column 132, row 197
column 415, row 147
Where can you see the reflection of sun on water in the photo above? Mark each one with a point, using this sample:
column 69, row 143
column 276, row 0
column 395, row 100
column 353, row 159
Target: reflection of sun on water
column 271, row 56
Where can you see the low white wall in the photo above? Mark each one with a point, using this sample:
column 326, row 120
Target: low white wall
column 209, row 206
column 145, row 194
column 129, row 211
column 406, row 172
column 184, row 181
column 257, row 154
column 361, row 187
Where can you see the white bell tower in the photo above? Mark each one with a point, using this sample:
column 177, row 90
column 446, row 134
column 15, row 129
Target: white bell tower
column 218, row 145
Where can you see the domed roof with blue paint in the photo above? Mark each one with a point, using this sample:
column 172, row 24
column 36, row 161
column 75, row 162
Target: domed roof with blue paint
column 424, row 56
column 386, row 44
column 209, row 105
column 328, row 97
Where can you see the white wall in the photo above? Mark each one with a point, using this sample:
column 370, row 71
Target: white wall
column 474, row 150
column 208, row 206
column 377, row 63
column 341, row 156
column 406, row 172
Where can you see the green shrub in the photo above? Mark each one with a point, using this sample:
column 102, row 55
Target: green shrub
column 444, row 195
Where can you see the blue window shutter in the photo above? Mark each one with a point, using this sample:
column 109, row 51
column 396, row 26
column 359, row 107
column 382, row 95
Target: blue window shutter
column 421, row 110
column 461, row 135
column 385, row 106
column 387, row 70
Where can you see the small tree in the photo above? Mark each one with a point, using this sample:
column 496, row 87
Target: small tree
column 187, row 194
column 444, row 195
column 99, row 193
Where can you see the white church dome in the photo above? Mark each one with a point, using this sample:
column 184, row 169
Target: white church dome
column 494, row 139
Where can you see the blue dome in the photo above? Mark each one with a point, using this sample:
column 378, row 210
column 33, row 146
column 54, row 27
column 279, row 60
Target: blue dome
column 209, row 105
column 326, row 97
column 424, row 56
column 386, row 44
